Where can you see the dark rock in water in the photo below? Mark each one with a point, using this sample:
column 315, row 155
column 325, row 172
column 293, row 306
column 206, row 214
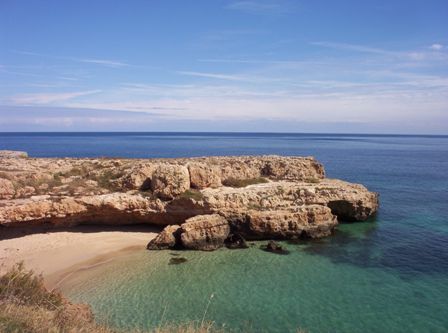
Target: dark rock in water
column 294, row 240
column 274, row 248
column 236, row 241
column 177, row 261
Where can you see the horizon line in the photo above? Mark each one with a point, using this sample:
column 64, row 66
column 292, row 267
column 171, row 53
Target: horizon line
column 224, row 132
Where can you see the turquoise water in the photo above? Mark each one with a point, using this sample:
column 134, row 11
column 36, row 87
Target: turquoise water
column 389, row 274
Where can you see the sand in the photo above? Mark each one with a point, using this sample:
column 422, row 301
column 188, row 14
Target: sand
column 60, row 253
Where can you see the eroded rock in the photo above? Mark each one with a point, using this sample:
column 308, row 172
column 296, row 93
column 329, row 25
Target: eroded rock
column 168, row 181
column 7, row 190
column 294, row 201
column 204, row 232
column 203, row 175
column 168, row 238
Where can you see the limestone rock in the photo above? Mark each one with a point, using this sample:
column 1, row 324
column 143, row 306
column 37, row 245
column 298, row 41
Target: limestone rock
column 7, row 190
column 167, row 239
column 25, row 191
column 313, row 221
column 297, row 201
column 139, row 177
column 203, row 175
column 274, row 247
column 294, row 169
column 204, row 232
column 169, row 181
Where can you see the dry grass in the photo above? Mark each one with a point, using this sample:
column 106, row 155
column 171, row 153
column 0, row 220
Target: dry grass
column 192, row 194
column 234, row 182
column 312, row 180
column 27, row 307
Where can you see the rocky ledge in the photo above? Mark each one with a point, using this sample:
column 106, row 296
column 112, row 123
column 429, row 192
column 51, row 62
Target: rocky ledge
column 205, row 203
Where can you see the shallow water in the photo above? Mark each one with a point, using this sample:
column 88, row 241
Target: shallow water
column 389, row 274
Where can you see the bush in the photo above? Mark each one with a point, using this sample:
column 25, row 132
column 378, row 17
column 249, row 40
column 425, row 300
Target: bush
column 312, row 180
column 24, row 287
column 27, row 307
column 234, row 182
column 192, row 194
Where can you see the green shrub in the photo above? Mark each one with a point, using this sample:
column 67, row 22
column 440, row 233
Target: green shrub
column 312, row 180
column 234, row 182
column 192, row 194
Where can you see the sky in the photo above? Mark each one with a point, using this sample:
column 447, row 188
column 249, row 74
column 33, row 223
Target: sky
column 339, row 66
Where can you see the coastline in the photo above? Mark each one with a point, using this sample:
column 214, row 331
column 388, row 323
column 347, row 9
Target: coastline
column 60, row 253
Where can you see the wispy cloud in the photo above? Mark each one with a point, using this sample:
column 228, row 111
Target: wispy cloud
column 108, row 63
column 215, row 76
column 353, row 47
column 413, row 55
column 259, row 7
column 102, row 62
column 436, row 47
column 48, row 98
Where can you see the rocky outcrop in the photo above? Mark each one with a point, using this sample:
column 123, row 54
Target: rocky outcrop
column 7, row 190
column 168, row 238
column 289, row 197
column 204, row 232
column 169, row 181
column 203, row 175
column 312, row 221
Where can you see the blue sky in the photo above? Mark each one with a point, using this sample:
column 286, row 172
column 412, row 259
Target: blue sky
column 256, row 65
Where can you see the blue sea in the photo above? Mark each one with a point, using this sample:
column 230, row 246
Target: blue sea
column 388, row 274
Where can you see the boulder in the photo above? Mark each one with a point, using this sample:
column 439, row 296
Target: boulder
column 204, row 232
column 274, row 247
column 236, row 241
column 169, row 238
column 203, row 175
column 169, row 181
column 139, row 177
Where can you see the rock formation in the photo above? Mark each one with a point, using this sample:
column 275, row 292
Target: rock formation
column 205, row 202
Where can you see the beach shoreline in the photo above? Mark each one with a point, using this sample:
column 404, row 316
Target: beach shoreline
column 57, row 254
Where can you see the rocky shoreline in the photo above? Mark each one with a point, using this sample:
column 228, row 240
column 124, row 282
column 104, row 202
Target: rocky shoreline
column 205, row 203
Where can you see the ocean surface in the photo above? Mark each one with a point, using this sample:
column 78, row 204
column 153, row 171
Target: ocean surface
column 389, row 274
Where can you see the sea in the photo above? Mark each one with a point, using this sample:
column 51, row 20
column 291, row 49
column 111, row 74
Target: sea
column 388, row 274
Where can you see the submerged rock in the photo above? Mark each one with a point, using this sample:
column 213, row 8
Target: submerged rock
column 274, row 248
column 236, row 241
column 177, row 261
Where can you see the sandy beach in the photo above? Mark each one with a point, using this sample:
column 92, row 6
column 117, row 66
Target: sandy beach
column 59, row 253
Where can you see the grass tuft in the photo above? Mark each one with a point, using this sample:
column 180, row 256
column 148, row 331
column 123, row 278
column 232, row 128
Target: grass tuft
column 234, row 182
column 192, row 194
